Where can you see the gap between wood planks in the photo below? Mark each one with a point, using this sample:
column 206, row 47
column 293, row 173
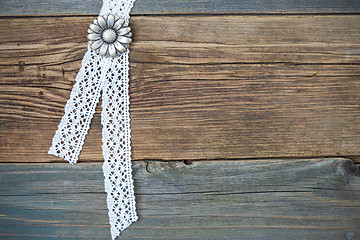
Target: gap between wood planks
column 186, row 14
column 355, row 159
column 32, row 7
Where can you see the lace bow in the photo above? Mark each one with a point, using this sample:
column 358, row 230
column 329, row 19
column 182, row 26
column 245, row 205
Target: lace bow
column 109, row 77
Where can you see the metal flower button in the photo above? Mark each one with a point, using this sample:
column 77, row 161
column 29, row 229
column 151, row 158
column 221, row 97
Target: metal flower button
column 109, row 35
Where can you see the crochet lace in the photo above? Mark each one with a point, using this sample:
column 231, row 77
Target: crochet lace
column 108, row 77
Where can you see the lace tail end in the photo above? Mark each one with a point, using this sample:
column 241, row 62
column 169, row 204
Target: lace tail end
column 52, row 151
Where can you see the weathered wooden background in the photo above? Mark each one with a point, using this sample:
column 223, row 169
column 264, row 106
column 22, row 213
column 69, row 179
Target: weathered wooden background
column 245, row 120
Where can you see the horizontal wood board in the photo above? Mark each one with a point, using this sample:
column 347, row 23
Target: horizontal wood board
column 61, row 7
column 304, row 199
column 254, row 87
column 247, row 79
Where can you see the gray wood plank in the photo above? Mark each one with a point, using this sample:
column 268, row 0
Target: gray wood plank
column 47, row 7
column 300, row 199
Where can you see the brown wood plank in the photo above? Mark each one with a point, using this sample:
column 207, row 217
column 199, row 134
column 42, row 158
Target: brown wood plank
column 304, row 199
column 256, row 86
column 47, row 7
column 190, row 40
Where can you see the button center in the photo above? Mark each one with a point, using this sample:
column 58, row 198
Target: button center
column 109, row 35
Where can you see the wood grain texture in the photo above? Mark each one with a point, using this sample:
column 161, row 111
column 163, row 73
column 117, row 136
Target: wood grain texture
column 47, row 7
column 304, row 199
column 254, row 87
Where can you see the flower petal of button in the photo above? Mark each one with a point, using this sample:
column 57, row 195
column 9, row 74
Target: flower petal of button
column 95, row 28
column 103, row 49
column 112, row 50
column 119, row 47
column 123, row 39
column 128, row 35
column 110, row 21
column 119, row 24
column 123, row 31
column 102, row 22
column 94, row 36
column 97, row 44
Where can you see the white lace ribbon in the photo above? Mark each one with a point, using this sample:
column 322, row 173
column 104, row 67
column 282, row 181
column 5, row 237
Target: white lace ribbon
column 109, row 77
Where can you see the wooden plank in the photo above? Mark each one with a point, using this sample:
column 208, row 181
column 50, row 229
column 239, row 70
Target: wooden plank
column 47, row 7
column 304, row 199
column 259, row 86
column 189, row 40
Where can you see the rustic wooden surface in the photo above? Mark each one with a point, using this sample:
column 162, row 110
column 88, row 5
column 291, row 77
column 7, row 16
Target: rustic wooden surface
column 275, row 199
column 253, row 87
column 61, row 7
column 218, row 84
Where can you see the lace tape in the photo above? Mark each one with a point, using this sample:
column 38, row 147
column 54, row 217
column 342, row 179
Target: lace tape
column 109, row 77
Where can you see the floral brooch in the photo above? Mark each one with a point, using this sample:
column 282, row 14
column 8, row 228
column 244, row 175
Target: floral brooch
column 109, row 35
